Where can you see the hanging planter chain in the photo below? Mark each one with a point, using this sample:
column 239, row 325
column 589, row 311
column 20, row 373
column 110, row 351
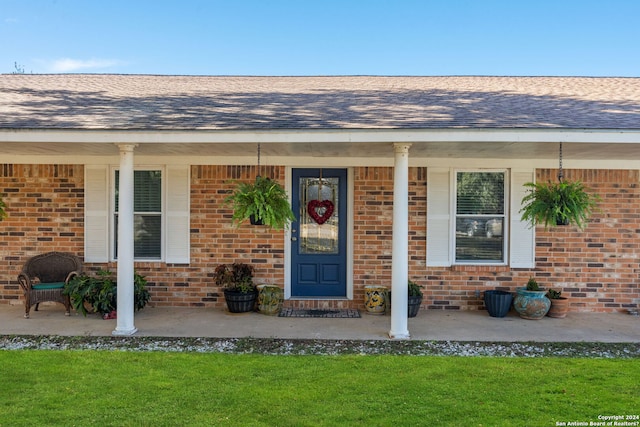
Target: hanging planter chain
column 560, row 173
column 258, row 159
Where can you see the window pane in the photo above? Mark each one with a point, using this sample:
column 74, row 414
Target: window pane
column 479, row 239
column 480, row 193
column 480, row 216
column 316, row 237
column 147, row 206
column 147, row 235
column 147, row 191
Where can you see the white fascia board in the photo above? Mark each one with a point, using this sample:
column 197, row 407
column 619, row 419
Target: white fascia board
column 313, row 135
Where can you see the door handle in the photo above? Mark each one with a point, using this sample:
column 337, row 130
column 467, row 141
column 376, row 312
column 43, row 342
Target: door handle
column 294, row 238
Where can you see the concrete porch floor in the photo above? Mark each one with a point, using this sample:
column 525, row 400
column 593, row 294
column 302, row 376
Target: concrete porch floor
column 437, row 325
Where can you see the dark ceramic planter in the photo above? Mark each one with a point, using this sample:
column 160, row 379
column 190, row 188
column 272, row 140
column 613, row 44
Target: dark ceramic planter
column 414, row 305
column 498, row 303
column 238, row 302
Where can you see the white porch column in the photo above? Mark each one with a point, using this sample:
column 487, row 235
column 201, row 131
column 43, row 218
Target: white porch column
column 125, row 243
column 400, row 254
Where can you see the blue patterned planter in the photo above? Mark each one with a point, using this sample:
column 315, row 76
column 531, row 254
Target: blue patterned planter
column 531, row 305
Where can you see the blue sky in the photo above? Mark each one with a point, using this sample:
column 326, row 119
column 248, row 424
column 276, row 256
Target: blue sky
column 332, row 37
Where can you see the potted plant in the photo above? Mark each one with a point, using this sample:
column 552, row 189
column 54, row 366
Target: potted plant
column 99, row 294
column 497, row 302
column 270, row 299
column 531, row 302
column 239, row 291
column 560, row 203
column 559, row 304
column 415, row 298
column 263, row 202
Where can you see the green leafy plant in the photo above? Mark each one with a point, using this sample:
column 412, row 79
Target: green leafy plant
column 265, row 200
column 236, row 277
column 99, row 294
column 414, row 289
column 553, row 294
column 560, row 203
column 532, row 285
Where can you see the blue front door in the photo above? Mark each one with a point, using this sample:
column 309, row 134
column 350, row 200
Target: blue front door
column 318, row 236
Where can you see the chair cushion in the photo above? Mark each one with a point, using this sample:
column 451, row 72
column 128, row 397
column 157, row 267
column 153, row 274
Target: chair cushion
column 54, row 285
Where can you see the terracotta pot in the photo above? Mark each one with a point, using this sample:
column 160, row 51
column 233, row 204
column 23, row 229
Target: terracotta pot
column 559, row 307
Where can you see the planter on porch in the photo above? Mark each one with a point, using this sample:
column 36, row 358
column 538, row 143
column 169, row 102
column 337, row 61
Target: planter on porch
column 270, row 298
column 375, row 299
column 559, row 304
column 240, row 302
column 414, row 305
column 239, row 290
column 498, row 303
column 414, row 298
column 532, row 305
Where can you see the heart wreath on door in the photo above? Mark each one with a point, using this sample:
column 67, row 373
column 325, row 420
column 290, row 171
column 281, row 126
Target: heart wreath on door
column 320, row 211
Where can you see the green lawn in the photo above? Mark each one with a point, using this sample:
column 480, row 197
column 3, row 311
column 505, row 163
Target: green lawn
column 117, row 388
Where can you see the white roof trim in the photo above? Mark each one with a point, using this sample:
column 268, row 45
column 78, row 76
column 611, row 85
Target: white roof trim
column 310, row 135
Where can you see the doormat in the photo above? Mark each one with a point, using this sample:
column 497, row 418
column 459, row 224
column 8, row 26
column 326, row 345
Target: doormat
column 298, row 312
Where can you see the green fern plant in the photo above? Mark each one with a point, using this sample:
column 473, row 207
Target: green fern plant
column 560, row 203
column 553, row 294
column 265, row 200
column 414, row 289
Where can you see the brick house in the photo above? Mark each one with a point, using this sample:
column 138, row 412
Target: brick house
column 391, row 152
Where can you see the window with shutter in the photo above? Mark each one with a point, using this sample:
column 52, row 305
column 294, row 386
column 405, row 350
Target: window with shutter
column 147, row 206
column 473, row 218
column 480, row 217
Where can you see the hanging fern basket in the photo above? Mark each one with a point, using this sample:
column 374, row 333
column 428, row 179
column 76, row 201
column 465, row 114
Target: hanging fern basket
column 262, row 202
column 562, row 203
column 558, row 203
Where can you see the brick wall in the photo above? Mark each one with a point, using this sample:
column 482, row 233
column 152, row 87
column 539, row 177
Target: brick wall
column 597, row 268
column 45, row 208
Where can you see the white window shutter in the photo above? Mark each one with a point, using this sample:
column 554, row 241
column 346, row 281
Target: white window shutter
column 438, row 217
column 523, row 239
column 96, row 214
column 177, row 215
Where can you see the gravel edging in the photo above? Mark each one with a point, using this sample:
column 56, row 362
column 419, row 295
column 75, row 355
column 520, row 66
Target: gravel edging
column 277, row 346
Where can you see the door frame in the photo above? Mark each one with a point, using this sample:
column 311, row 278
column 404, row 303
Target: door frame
column 287, row 235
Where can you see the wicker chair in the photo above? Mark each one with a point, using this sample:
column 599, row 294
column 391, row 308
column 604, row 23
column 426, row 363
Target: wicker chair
column 43, row 278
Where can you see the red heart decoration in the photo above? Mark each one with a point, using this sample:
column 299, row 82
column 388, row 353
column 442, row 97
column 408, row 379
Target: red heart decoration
column 314, row 205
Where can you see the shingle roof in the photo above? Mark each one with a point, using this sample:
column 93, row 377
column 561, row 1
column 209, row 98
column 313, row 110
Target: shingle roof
column 151, row 102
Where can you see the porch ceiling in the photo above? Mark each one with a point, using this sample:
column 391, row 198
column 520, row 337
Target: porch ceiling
column 328, row 149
